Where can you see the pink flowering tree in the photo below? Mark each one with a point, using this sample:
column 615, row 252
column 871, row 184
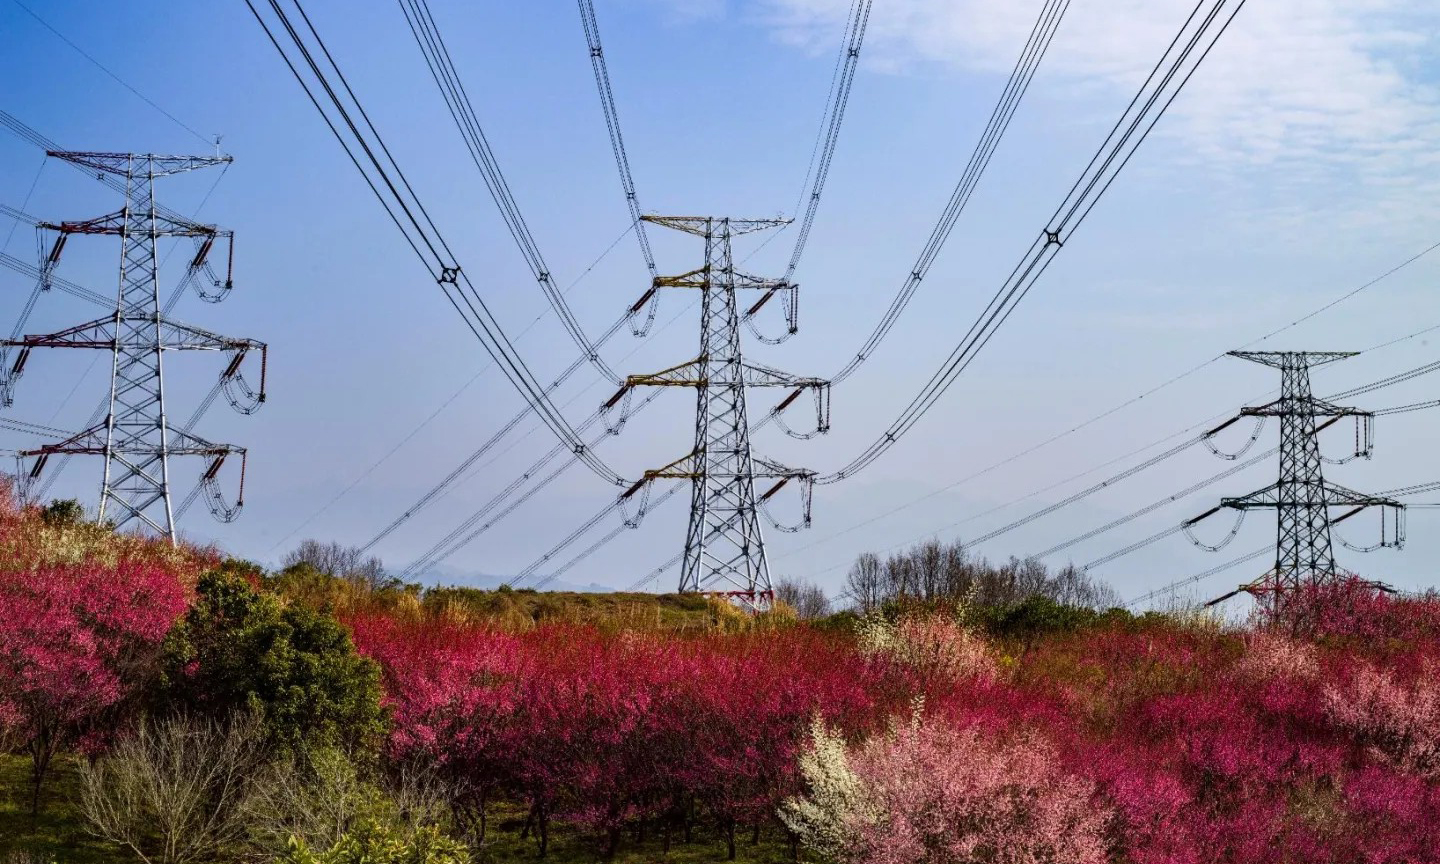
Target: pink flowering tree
column 75, row 642
column 929, row 793
column 1398, row 722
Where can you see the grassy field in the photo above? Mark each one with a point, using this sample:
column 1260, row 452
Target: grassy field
column 58, row 834
column 566, row 847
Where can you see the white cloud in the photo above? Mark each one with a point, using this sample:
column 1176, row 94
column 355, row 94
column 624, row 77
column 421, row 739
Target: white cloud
column 1316, row 94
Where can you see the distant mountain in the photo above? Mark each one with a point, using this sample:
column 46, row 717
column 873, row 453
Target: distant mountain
column 489, row 582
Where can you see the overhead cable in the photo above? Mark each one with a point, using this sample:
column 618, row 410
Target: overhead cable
column 853, row 40
column 1151, row 508
column 465, row 533
column 1016, row 86
column 368, row 153
column 617, row 139
column 437, row 57
column 103, row 68
column 1175, row 450
column 1207, row 23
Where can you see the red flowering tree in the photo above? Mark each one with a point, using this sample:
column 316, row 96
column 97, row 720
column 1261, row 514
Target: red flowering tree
column 453, row 692
column 75, row 641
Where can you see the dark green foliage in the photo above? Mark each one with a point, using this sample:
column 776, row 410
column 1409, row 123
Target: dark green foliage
column 1038, row 616
column 522, row 607
column 302, row 582
column 248, row 570
column 843, row 621
column 63, row 511
column 239, row 649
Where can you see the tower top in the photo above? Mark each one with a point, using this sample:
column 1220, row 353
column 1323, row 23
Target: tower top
column 1293, row 359
column 702, row 226
column 124, row 163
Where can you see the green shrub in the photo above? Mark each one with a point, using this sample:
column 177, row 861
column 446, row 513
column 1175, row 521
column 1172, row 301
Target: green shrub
column 238, row 649
column 63, row 511
column 377, row 843
column 1037, row 616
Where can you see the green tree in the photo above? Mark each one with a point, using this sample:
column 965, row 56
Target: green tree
column 1037, row 617
column 63, row 511
column 239, row 648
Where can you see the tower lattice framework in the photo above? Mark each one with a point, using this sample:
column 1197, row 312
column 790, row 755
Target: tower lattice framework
column 1301, row 497
column 724, row 543
column 136, row 437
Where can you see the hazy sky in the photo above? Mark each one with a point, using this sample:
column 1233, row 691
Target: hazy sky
column 1300, row 163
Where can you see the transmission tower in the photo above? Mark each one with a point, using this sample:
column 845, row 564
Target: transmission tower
column 1301, row 497
column 136, row 437
column 724, row 545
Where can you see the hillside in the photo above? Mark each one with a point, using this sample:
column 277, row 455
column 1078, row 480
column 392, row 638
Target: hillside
column 325, row 719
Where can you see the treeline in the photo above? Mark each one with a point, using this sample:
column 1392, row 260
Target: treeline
column 936, row 573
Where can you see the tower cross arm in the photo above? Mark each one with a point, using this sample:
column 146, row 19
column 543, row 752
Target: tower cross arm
column 1280, row 359
column 770, row 469
column 1307, row 407
column 702, row 226
column 1326, row 494
column 115, row 223
column 93, row 441
column 100, row 333
column 693, row 374
column 127, row 163
column 688, row 467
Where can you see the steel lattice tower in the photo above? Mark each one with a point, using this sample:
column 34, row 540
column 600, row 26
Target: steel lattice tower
column 724, row 545
column 136, row 437
column 1301, row 497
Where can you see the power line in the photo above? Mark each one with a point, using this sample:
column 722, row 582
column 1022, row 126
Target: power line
column 1114, row 479
column 448, row 482
column 1406, row 409
column 455, row 541
column 103, row 68
column 850, row 58
column 1199, row 577
column 408, row 214
column 442, row 68
column 1130, row 131
column 436, row 413
column 1018, row 83
column 1342, row 298
column 33, row 428
column 625, row 524
column 1402, row 492
column 617, row 139
column 816, row 173
column 1151, row 508
column 1150, row 392
column 1016, row 86
column 44, row 160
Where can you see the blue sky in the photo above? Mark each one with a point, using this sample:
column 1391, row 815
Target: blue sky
column 1298, row 165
